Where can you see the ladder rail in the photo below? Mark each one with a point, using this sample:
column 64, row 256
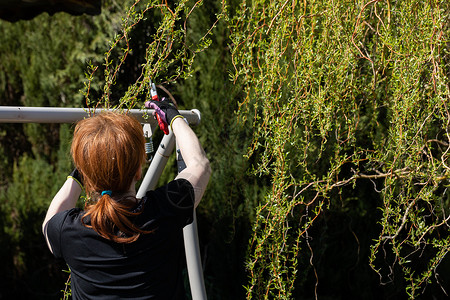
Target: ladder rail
column 25, row 114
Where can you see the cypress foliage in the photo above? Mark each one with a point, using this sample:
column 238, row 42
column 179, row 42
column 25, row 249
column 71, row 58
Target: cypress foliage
column 26, row 259
column 43, row 63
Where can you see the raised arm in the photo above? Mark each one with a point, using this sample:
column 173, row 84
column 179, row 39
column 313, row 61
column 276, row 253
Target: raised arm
column 65, row 199
column 197, row 170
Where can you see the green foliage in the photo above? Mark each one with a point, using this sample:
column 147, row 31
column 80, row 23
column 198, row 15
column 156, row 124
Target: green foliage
column 225, row 214
column 23, row 205
column 43, row 64
column 329, row 145
column 167, row 47
column 338, row 93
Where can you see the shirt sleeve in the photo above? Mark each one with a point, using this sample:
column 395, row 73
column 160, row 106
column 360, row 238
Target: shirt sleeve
column 176, row 199
column 54, row 229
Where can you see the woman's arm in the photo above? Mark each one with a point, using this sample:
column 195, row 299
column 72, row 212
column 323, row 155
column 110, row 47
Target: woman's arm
column 65, row 199
column 198, row 170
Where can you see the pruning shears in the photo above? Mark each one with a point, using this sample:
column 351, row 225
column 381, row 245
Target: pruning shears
column 162, row 125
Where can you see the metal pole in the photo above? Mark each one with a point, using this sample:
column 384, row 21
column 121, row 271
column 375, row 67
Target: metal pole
column 19, row 114
column 157, row 165
column 194, row 261
column 192, row 249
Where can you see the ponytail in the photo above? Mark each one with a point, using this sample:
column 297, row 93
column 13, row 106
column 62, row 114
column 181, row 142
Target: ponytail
column 108, row 151
column 111, row 219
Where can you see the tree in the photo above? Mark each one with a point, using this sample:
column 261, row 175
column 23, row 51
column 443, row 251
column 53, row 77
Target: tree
column 337, row 94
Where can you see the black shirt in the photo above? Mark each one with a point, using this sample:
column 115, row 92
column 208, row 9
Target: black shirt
column 149, row 268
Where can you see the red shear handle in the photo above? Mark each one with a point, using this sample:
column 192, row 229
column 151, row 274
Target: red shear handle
column 162, row 125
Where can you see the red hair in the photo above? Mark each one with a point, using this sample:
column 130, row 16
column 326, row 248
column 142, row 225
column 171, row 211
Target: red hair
column 108, row 151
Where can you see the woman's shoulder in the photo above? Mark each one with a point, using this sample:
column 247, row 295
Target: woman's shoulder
column 68, row 216
column 174, row 200
column 178, row 194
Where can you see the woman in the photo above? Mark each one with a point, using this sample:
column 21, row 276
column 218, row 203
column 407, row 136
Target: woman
column 121, row 247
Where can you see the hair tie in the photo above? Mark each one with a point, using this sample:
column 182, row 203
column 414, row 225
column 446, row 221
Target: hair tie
column 107, row 192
